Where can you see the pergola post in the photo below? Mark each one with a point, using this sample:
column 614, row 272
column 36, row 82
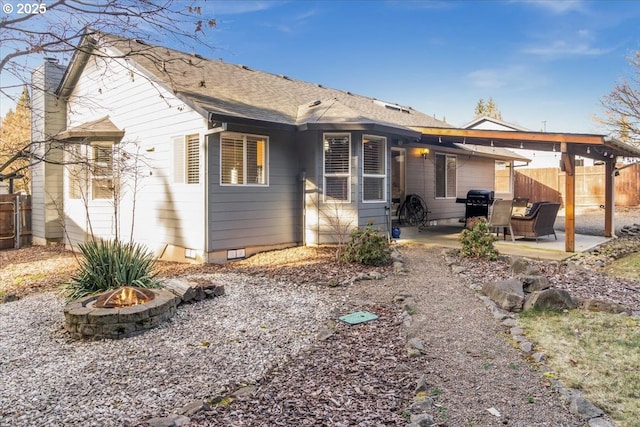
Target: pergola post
column 609, row 199
column 568, row 161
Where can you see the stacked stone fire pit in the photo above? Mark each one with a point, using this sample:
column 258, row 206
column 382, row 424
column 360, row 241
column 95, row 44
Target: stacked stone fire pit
column 88, row 318
column 130, row 311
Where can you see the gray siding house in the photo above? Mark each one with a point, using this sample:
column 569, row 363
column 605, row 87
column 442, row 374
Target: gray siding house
column 206, row 161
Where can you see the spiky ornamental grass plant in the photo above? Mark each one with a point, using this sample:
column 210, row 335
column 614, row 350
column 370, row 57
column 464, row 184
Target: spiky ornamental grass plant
column 107, row 265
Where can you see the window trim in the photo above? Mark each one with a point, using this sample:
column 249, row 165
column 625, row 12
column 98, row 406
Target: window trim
column 93, row 177
column 509, row 166
column 383, row 175
column 446, row 177
column 244, row 137
column 347, row 174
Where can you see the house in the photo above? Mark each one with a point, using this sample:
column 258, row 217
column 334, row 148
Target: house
column 206, row 161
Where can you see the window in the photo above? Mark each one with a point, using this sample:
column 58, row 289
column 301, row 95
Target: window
column 186, row 159
column 445, row 175
column 502, row 182
column 243, row 159
column 337, row 167
column 374, row 165
column 102, row 182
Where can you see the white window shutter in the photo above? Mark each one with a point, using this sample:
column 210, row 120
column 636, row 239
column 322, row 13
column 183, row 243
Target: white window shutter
column 178, row 144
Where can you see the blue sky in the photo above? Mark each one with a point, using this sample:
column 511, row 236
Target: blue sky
column 541, row 61
column 546, row 64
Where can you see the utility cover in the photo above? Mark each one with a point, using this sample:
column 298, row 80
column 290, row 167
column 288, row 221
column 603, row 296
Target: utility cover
column 358, row 317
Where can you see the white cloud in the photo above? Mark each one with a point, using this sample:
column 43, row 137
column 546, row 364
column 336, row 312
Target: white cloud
column 559, row 7
column 221, row 8
column 514, row 77
column 558, row 48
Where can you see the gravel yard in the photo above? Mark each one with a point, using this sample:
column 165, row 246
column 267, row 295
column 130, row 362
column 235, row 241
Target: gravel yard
column 276, row 329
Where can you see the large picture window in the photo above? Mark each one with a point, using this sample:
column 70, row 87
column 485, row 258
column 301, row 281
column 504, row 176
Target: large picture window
column 337, row 167
column 186, row 159
column 374, row 166
column 445, row 175
column 243, row 159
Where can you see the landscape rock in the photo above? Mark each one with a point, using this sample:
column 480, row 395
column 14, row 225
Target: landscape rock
column 194, row 407
column 422, row 420
column 507, row 294
column 550, row 299
column 526, row 347
column 592, row 304
column 583, row 408
column 534, row 283
column 519, row 265
column 172, row 420
column 599, row 422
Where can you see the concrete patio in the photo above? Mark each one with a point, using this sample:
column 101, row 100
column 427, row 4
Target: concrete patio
column 546, row 248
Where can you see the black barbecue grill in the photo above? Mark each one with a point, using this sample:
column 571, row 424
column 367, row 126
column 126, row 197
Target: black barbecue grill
column 477, row 204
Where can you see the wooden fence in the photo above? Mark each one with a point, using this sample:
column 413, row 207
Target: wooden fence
column 549, row 183
column 15, row 221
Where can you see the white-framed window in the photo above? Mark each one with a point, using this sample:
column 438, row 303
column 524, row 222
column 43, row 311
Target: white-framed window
column 186, row 159
column 337, row 167
column 374, row 168
column 243, row 159
column 446, row 171
column 503, row 177
column 102, row 179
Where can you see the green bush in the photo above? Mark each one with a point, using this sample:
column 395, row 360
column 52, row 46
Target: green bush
column 477, row 240
column 107, row 265
column 367, row 246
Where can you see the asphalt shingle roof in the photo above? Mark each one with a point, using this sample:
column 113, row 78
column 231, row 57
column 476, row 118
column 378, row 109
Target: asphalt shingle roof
column 234, row 90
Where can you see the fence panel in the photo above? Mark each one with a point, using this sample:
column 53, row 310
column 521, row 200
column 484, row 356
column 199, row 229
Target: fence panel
column 15, row 220
column 549, row 183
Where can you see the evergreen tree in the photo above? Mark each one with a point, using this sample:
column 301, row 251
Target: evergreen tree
column 481, row 109
column 488, row 109
column 15, row 135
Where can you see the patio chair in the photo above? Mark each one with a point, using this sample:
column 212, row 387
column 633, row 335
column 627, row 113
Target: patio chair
column 537, row 224
column 500, row 217
column 519, row 206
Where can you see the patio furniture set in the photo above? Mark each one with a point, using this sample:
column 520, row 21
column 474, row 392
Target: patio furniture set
column 518, row 218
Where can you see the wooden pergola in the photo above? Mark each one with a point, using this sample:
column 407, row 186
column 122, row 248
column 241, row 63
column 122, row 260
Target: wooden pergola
column 597, row 147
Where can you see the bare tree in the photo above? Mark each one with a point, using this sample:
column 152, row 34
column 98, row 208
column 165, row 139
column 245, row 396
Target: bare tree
column 622, row 106
column 54, row 29
column 58, row 29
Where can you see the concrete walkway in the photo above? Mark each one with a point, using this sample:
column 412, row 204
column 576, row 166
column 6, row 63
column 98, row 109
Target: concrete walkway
column 547, row 248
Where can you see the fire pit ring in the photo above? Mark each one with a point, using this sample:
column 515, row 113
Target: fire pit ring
column 86, row 318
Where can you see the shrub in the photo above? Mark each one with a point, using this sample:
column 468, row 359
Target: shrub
column 367, row 246
column 477, row 240
column 107, row 265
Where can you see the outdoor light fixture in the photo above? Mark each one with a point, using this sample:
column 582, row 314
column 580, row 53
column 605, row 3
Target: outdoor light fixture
column 492, row 142
column 424, row 153
column 554, row 148
column 464, row 141
column 440, row 140
column 521, row 144
column 588, row 150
